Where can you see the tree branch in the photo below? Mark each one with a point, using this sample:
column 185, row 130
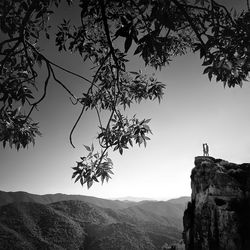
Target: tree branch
column 44, row 92
column 226, row 10
column 106, row 28
column 73, row 128
column 21, row 32
column 60, row 83
column 182, row 9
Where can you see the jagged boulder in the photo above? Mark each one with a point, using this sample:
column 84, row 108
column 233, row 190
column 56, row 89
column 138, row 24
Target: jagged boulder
column 218, row 216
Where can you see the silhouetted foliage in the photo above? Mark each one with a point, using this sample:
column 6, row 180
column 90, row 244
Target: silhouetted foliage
column 159, row 30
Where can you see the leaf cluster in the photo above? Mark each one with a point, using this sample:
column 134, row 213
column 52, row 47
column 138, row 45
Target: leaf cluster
column 226, row 54
column 123, row 131
column 16, row 129
column 93, row 167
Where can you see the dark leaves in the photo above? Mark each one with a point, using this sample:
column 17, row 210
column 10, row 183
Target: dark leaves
column 128, row 43
column 92, row 168
column 16, row 129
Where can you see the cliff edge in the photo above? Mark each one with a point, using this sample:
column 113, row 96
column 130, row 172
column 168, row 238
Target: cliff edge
column 218, row 216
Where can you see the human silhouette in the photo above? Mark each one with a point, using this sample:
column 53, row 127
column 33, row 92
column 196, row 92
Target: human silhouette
column 205, row 149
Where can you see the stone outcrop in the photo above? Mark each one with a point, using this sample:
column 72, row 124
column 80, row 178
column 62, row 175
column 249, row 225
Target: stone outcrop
column 218, row 216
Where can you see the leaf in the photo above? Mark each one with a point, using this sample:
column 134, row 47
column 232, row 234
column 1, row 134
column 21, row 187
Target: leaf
column 207, row 70
column 130, row 142
column 77, row 178
column 87, row 148
column 210, row 74
column 95, row 179
column 128, row 43
column 123, row 32
column 102, row 178
column 138, row 50
column 207, row 62
column 202, row 52
column 90, row 183
column 147, row 121
column 120, row 150
column 109, row 160
column 81, row 180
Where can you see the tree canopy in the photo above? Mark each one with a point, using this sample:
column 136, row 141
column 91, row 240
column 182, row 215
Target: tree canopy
column 156, row 30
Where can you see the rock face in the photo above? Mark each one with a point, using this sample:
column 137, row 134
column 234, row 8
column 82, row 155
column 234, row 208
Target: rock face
column 218, row 216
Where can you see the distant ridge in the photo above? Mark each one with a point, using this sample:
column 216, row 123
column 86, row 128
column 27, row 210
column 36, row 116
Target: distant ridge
column 133, row 199
column 21, row 196
column 58, row 221
column 170, row 212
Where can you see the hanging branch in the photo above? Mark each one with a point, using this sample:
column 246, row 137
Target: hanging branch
column 73, row 128
column 58, row 66
column 61, row 84
column 106, row 28
column 44, row 91
column 89, row 90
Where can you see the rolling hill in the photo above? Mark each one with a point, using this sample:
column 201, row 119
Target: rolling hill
column 9, row 197
column 36, row 223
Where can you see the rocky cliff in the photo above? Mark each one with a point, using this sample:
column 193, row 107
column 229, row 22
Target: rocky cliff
column 218, row 216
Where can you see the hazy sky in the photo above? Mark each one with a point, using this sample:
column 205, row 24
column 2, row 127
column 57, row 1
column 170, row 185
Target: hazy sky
column 193, row 111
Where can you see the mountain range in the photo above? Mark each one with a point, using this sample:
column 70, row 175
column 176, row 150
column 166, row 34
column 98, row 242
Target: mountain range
column 59, row 221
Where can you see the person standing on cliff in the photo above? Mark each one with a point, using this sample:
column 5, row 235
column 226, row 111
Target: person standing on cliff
column 205, row 149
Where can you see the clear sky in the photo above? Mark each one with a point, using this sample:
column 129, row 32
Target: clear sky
column 193, row 111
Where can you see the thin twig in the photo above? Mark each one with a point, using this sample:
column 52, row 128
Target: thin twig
column 60, row 83
column 97, row 72
column 106, row 28
column 44, row 92
column 68, row 71
column 99, row 117
column 73, row 128
column 56, row 65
